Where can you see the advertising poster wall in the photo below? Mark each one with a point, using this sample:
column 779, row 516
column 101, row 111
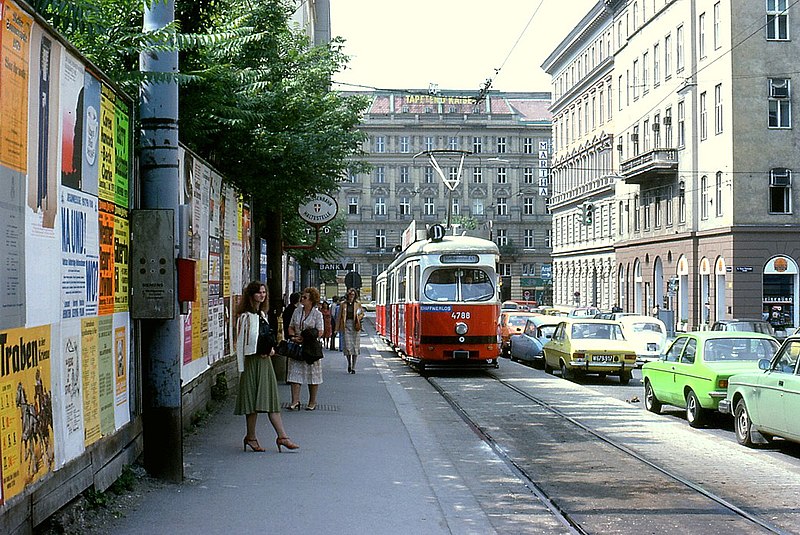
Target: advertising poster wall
column 26, row 408
column 15, row 51
column 12, row 248
column 79, row 254
column 106, row 189
column 43, row 132
column 65, row 377
column 106, row 271
column 90, row 377
column 122, row 367
column 67, row 389
column 71, row 105
column 91, row 134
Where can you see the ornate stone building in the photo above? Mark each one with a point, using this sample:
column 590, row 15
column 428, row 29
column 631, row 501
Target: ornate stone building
column 503, row 189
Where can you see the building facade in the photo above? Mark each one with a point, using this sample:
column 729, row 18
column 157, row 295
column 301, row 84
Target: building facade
column 503, row 180
column 704, row 151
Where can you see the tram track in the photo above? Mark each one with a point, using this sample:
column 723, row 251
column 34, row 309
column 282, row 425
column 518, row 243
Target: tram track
column 561, row 500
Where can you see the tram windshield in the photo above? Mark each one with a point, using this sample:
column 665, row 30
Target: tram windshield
column 459, row 284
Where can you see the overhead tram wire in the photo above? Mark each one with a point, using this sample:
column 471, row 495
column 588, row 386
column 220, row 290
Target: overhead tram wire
column 484, row 90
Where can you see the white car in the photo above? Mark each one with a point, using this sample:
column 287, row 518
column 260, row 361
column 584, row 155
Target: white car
column 647, row 334
column 369, row 306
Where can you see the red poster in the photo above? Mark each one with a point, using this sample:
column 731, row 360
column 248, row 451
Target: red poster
column 106, row 258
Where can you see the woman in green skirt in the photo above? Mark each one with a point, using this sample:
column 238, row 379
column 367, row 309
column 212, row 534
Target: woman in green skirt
column 258, row 388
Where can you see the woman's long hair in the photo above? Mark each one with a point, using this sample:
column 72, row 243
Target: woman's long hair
column 248, row 303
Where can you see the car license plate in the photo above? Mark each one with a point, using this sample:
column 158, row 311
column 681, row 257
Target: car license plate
column 652, row 347
column 602, row 358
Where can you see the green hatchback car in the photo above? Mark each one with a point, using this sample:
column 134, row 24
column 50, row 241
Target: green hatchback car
column 693, row 373
column 766, row 403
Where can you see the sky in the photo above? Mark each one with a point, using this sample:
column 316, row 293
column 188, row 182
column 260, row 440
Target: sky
column 456, row 44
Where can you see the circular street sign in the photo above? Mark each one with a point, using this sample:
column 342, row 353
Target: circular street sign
column 318, row 209
column 527, row 294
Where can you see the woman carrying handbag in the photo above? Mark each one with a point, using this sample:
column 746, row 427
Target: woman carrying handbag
column 258, row 388
column 306, row 316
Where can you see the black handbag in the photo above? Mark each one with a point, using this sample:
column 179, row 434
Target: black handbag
column 311, row 347
column 290, row 349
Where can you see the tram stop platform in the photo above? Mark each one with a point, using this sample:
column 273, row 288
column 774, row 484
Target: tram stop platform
column 383, row 453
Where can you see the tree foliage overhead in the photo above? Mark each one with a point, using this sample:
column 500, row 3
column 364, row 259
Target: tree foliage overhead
column 254, row 94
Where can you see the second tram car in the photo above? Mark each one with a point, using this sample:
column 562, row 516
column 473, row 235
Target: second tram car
column 437, row 303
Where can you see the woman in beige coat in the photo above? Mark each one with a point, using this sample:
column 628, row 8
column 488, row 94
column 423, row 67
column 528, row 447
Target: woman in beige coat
column 351, row 313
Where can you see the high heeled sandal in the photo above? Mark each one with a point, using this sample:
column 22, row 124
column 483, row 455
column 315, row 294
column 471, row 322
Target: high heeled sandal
column 311, row 407
column 294, row 406
column 253, row 443
column 285, row 442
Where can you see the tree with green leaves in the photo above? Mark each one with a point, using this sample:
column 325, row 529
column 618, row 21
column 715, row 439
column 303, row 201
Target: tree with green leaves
column 255, row 100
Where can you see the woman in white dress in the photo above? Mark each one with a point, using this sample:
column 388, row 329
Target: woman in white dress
column 299, row 372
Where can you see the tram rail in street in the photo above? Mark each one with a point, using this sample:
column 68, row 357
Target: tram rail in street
column 558, row 509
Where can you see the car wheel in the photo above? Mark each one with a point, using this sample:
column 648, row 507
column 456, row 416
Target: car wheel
column 625, row 378
column 742, row 423
column 651, row 402
column 566, row 373
column 696, row 415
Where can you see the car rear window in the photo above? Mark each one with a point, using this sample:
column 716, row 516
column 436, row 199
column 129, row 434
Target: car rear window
column 647, row 327
column 721, row 349
column 517, row 321
column 597, row 331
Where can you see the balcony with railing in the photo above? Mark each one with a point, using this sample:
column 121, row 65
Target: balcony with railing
column 656, row 164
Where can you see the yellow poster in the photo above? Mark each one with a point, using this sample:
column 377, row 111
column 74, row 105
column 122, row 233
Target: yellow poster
column 14, row 72
column 226, row 269
column 121, row 243
column 106, row 187
column 105, row 373
column 26, row 408
column 91, row 376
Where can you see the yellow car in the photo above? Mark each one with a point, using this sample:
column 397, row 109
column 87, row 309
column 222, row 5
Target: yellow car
column 589, row 346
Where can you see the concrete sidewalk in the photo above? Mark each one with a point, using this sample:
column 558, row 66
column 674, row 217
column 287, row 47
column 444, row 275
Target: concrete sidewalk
column 359, row 468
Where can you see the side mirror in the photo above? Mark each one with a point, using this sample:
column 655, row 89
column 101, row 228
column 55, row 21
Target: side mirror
column 763, row 364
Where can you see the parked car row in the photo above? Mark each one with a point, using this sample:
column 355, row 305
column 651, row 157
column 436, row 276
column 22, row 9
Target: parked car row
column 736, row 369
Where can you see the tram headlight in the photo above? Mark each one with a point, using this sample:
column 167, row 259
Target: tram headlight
column 461, row 328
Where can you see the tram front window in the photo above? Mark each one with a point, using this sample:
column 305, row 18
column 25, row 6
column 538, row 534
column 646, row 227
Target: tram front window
column 446, row 283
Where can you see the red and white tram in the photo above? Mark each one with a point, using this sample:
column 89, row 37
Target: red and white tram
column 437, row 303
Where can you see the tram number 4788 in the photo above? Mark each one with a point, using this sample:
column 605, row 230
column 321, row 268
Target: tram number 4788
column 460, row 315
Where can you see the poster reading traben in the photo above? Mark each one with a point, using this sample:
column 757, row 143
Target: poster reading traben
column 26, row 407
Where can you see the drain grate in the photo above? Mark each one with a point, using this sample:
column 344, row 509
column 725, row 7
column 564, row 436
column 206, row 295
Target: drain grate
column 320, row 407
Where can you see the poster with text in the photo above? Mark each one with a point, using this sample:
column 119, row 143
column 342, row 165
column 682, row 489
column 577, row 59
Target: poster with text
column 246, row 251
column 68, row 392
column 26, row 408
column 196, row 317
column 215, row 206
column 90, row 377
column 12, row 248
column 121, row 248
column 79, row 254
column 90, row 160
column 214, row 267
column 216, row 330
column 14, row 50
column 105, row 373
column 71, row 104
column 44, row 171
column 122, row 128
column 106, row 189
column 187, row 335
column 122, row 369
column 106, row 272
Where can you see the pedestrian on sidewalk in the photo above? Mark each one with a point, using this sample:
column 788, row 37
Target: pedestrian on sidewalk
column 325, row 308
column 307, row 315
column 258, row 388
column 294, row 298
column 334, row 318
column 351, row 313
